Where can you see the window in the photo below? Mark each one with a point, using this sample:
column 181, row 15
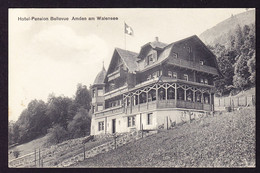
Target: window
column 159, row 73
column 201, row 80
column 154, row 74
column 189, row 49
column 169, row 73
column 149, row 118
column 206, row 81
column 174, row 75
column 150, row 58
column 149, row 77
column 201, row 62
column 175, row 55
column 186, row 77
column 131, row 121
column 100, row 92
column 100, row 125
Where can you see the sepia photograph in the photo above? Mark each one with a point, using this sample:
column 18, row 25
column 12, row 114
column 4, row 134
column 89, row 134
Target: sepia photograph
column 131, row 88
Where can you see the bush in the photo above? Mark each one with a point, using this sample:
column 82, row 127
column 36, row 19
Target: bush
column 57, row 134
column 16, row 153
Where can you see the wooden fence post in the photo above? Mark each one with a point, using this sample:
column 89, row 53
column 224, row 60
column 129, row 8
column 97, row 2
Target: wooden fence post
column 237, row 101
column 245, row 100
column 84, row 152
column 115, row 141
column 35, row 158
column 142, row 130
column 39, row 157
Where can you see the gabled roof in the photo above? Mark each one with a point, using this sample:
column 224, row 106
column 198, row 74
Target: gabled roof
column 154, row 45
column 129, row 58
column 100, row 77
column 166, row 51
column 158, row 44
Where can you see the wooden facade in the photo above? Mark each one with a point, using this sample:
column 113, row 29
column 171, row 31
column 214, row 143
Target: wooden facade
column 161, row 79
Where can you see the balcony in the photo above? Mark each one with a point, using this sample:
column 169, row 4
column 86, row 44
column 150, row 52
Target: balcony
column 193, row 66
column 161, row 104
column 110, row 111
column 116, row 74
column 116, row 92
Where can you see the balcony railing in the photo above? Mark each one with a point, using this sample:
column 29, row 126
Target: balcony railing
column 110, row 111
column 114, row 75
column 161, row 104
column 193, row 65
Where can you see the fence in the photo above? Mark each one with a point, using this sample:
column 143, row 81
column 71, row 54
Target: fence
column 62, row 156
column 234, row 101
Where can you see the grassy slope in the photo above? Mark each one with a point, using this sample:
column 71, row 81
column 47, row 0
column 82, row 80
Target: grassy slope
column 226, row 140
column 28, row 147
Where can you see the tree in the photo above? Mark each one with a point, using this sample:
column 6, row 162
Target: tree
column 239, row 39
column 80, row 125
column 58, row 110
column 83, row 98
column 241, row 77
column 251, row 69
column 39, row 122
column 57, row 134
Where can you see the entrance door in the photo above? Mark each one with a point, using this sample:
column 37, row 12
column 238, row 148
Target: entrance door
column 113, row 125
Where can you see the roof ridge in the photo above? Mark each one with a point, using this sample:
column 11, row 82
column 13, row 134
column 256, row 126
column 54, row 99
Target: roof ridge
column 125, row 50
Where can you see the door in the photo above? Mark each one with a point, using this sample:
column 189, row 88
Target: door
column 113, row 125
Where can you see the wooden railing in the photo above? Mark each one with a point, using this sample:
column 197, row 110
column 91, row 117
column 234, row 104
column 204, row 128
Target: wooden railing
column 161, row 104
column 110, row 111
column 193, row 65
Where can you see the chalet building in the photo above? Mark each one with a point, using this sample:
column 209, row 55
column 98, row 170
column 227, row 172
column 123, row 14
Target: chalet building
column 162, row 85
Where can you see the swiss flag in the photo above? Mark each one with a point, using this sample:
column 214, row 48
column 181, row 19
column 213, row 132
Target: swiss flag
column 128, row 30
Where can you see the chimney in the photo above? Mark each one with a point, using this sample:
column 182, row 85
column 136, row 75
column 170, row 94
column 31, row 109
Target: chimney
column 156, row 39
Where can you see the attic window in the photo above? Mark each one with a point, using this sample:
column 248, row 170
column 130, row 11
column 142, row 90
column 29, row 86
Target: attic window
column 189, row 49
column 201, row 62
column 150, row 58
column 175, row 55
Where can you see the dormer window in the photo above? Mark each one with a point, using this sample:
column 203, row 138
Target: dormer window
column 201, row 80
column 150, row 58
column 186, row 77
column 201, row 62
column 175, row 55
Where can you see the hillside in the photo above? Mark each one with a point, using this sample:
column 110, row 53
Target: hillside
column 225, row 140
column 218, row 33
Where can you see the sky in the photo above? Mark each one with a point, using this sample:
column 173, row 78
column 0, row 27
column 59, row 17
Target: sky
column 54, row 56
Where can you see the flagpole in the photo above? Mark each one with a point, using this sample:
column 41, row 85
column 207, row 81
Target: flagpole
column 125, row 35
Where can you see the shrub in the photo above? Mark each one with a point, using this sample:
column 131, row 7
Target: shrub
column 16, row 153
column 57, row 134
